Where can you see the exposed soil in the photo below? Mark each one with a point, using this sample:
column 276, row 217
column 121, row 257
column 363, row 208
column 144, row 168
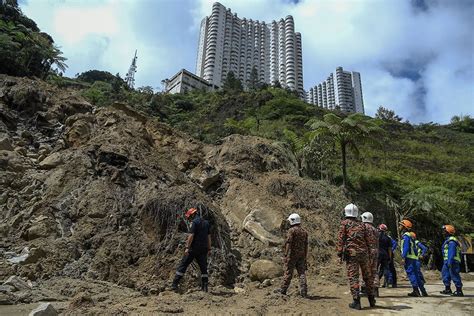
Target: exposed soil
column 325, row 298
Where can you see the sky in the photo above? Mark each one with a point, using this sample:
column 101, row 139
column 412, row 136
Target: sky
column 415, row 57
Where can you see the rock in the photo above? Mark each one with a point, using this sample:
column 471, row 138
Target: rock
column 40, row 228
column 21, row 150
column 26, row 135
column 261, row 270
column 45, row 309
column 171, row 309
column 7, row 288
column 78, row 129
column 44, row 149
column 7, row 299
column 110, row 121
column 12, row 161
column 239, row 290
column 166, row 293
column 267, row 283
column 34, row 255
column 5, row 144
column 255, row 223
column 51, row 161
column 17, row 283
column 205, row 177
column 25, row 252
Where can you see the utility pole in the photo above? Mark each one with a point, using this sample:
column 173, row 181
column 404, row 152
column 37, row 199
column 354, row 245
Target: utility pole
column 130, row 77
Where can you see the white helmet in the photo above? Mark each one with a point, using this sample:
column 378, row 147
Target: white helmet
column 351, row 210
column 294, row 219
column 367, row 217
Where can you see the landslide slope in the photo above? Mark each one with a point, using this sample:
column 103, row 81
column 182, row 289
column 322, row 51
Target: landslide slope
column 98, row 194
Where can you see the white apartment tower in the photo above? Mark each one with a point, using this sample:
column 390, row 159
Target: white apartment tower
column 342, row 89
column 229, row 43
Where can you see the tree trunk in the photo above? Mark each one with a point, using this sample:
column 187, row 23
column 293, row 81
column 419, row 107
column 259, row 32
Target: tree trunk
column 344, row 164
column 398, row 218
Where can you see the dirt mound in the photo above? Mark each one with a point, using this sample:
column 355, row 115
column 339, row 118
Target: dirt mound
column 98, row 194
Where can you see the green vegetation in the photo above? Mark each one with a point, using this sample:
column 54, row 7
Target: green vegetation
column 346, row 133
column 24, row 49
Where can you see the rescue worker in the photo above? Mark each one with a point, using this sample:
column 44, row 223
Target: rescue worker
column 198, row 247
column 451, row 250
column 385, row 254
column 410, row 257
column 373, row 234
column 296, row 250
column 393, row 272
column 421, row 250
column 352, row 247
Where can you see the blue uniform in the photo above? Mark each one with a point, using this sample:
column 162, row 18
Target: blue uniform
column 392, row 276
column 451, row 250
column 422, row 250
column 410, row 255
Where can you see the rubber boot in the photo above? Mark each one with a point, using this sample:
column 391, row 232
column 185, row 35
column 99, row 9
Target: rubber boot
column 204, row 285
column 423, row 292
column 176, row 280
column 458, row 292
column 355, row 304
column 447, row 291
column 371, row 300
column 363, row 290
column 304, row 292
column 415, row 293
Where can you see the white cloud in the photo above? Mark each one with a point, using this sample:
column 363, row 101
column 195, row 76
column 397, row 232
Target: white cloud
column 382, row 39
column 74, row 24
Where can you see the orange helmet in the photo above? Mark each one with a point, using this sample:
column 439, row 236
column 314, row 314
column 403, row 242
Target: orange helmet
column 406, row 223
column 413, row 235
column 190, row 212
column 449, row 229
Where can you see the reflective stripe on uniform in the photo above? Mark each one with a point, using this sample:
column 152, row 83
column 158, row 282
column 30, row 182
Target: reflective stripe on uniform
column 179, row 273
column 457, row 256
column 412, row 253
column 204, row 276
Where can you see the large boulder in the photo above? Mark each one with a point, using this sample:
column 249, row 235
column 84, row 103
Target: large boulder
column 52, row 161
column 45, row 309
column 17, row 283
column 261, row 270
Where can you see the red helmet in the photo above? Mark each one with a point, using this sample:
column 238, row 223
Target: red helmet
column 383, row 227
column 190, row 212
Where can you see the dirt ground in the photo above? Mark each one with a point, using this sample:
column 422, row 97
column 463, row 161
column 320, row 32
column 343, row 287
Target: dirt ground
column 324, row 299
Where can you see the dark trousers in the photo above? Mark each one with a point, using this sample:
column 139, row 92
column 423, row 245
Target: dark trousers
column 393, row 273
column 201, row 258
column 384, row 269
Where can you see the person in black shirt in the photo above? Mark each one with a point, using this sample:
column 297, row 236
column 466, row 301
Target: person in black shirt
column 385, row 254
column 198, row 246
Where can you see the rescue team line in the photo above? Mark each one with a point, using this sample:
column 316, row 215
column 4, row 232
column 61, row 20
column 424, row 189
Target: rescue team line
column 363, row 247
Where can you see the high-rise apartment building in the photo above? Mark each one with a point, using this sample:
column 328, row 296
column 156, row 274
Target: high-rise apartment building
column 229, row 43
column 342, row 89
